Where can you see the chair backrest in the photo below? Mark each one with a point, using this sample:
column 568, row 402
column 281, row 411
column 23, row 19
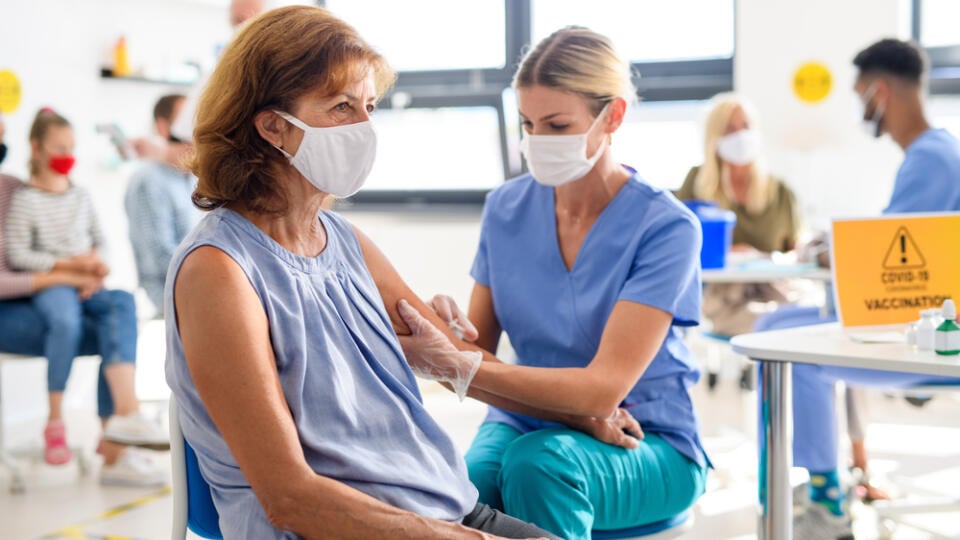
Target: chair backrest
column 192, row 502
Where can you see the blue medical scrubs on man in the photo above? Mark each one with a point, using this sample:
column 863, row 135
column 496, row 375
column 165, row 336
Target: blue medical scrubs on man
column 889, row 83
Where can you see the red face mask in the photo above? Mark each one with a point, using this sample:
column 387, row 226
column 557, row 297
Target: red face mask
column 62, row 164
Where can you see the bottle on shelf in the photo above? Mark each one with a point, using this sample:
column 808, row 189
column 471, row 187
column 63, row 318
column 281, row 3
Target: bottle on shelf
column 121, row 61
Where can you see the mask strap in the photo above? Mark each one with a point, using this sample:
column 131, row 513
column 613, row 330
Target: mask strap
column 292, row 119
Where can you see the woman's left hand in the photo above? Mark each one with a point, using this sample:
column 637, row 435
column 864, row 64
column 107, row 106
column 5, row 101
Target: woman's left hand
column 618, row 429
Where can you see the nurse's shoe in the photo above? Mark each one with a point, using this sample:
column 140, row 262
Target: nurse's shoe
column 132, row 468
column 819, row 523
column 136, row 430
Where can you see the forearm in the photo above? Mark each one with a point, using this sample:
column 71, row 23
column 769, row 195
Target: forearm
column 16, row 285
column 570, row 420
column 325, row 508
column 562, row 391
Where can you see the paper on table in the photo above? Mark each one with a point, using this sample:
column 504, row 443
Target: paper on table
column 877, row 337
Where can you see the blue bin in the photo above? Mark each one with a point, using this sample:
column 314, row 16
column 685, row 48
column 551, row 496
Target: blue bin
column 717, row 225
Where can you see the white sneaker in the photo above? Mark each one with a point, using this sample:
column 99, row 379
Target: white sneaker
column 817, row 523
column 132, row 468
column 136, row 430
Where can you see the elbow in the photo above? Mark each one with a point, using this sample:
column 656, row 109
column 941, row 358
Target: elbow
column 281, row 509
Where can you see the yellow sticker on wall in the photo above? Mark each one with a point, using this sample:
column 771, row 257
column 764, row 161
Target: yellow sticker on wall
column 9, row 91
column 812, row 82
column 887, row 269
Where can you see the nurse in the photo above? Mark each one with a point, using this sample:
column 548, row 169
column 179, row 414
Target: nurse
column 592, row 274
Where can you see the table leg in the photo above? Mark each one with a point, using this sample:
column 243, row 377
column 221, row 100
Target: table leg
column 776, row 452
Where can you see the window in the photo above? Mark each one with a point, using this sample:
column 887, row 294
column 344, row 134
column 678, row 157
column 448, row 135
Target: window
column 449, row 130
column 934, row 26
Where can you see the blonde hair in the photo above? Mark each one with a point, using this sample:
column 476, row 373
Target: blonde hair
column 273, row 61
column 578, row 60
column 713, row 179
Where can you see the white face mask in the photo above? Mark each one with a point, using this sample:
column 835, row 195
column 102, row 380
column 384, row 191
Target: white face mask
column 739, row 147
column 872, row 125
column 555, row 160
column 336, row 159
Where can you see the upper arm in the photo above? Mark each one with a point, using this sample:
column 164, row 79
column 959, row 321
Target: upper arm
column 393, row 288
column 226, row 342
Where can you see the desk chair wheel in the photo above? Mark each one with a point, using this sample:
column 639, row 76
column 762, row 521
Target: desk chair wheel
column 17, row 485
column 712, row 379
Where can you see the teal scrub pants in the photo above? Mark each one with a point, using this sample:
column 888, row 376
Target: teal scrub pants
column 569, row 483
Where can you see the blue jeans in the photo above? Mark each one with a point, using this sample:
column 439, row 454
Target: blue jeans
column 569, row 483
column 56, row 324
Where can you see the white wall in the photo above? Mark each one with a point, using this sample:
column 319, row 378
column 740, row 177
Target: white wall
column 818, row 149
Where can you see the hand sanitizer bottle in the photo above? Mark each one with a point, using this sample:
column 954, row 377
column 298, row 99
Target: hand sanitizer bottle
column 947, row 338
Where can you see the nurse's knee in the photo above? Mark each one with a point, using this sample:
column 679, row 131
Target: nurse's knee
column 538, row 460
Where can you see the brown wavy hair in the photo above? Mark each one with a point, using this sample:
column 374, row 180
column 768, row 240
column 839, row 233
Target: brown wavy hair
column 274, row 60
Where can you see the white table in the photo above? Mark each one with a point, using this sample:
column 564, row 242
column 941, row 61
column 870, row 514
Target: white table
column 764, row 272
column 824, row 344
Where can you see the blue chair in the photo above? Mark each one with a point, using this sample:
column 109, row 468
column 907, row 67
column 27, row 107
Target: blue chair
column 193, row 507
column 666, row 529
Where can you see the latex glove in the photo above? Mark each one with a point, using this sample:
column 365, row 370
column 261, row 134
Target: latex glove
column 432, row 356
column 449, row 312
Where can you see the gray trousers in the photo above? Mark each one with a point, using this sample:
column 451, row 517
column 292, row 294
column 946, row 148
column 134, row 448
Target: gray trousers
column 486, row 519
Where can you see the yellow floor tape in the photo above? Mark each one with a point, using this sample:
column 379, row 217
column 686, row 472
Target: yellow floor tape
column 76, row 532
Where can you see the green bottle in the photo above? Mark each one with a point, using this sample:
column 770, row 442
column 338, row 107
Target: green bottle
column 947, row 337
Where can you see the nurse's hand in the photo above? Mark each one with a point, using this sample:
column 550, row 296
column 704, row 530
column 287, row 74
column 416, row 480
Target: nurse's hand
column 431, row 355
column 619, row 429
column 448, row 311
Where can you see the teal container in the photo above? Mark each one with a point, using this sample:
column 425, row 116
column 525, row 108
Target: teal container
column 717, row 225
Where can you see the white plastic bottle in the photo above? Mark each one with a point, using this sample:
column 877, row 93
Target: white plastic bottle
column 926, row 329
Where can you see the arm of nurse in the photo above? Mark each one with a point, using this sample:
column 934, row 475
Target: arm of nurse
column 632, row 337
column 226, row 340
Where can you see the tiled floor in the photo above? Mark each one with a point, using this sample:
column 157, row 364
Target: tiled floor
column 61, row 504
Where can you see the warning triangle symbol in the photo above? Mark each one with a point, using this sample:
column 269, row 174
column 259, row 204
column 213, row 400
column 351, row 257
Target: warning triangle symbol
column 903, row 253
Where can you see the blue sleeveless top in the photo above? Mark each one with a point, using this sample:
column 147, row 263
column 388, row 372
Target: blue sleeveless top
column 356, row 404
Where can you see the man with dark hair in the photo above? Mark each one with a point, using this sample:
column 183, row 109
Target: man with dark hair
column 158, row 205
column 890, row 85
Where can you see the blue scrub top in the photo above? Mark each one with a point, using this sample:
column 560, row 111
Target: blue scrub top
column 929, row 177
column 644, row 248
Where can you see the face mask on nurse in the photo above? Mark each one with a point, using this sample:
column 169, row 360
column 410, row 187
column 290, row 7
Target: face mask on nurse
column 555, row 160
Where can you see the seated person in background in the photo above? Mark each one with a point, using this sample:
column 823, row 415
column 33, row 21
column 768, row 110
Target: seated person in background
column 292, row 385
column 593, row 274
column 159, row 210
column 733, row 176
column 889, row 82
column 43, row 312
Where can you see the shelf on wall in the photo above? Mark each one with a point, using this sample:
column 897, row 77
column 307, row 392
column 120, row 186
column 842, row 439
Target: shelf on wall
column 106, row 73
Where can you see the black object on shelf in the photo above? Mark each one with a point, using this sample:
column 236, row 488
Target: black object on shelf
column 107, row 73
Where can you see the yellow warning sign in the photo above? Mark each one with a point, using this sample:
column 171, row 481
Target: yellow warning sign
column 9, row 91
column 887, row 269
column 903, row 252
